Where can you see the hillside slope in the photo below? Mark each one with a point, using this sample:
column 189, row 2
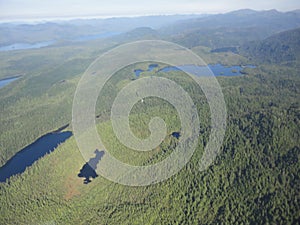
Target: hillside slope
column 231, row 29
column 279, row 48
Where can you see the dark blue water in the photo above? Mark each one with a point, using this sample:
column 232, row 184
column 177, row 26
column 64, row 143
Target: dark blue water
column 151, row 67
column 7, row 81
column 27, row 156
column 138, row 72
column 176, row 135
column 23, row 46
column 217, row 69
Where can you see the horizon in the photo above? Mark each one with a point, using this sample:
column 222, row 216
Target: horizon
column 90, row 17
column 31, row 10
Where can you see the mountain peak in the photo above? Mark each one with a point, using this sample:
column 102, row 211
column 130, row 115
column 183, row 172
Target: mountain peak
column 243, row 12
column 272, row 11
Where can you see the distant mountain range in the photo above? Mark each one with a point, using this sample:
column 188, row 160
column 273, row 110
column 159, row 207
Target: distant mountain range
column 68, row 30
column 268, row 36
column 140, row 33
column 231, row 29
column 215, row 31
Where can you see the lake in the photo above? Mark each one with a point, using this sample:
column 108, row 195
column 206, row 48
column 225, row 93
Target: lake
column 7, row 81
column 26, row 46
column 217, row 69
column 151, row 67
column 27, row 156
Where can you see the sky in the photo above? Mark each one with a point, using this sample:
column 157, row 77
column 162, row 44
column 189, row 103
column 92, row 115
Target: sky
column 43, row 9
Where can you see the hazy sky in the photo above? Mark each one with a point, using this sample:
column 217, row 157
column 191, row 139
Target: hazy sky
column 29, row 9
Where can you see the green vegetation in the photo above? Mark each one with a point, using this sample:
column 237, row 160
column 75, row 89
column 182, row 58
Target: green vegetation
column 230, row 29
column 279, row 48
column 225, row 58
column 41, row 100
column 254, row 180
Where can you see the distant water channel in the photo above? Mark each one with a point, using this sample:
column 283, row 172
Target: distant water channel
column 23, row 46
column 7, row 81
column 26, row 46
column 27, row 156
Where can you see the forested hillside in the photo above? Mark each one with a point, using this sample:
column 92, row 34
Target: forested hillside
column 231, row 29
column 279, row 48
column 254, row 179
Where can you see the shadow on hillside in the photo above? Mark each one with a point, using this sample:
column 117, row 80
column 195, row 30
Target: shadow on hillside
column 88, row 170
